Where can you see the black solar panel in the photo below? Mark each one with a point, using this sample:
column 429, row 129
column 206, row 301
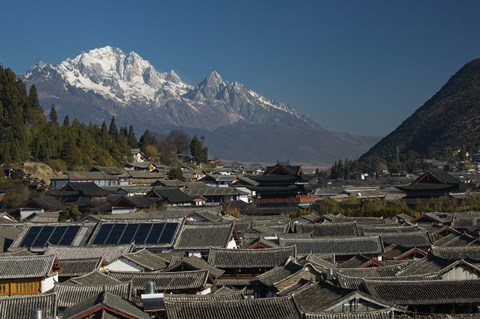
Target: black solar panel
column 69, row 235
column 57, row 235
column 115, row 234
column 138, row 233
column 102, row 234
column 128, row 234
column 43, row 237
column 155, row 233
column 40, row 236
column 30, row 236
column 142, row 233
column 168, row 233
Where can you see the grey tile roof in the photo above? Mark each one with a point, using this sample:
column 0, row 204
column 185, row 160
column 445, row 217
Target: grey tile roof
column 108, row 253
column 204, row 235
column 79, row 267
column 212, row 191
column 381, row 314
column 193, row 263
column 360, row 220
column 232, row 296
column 385, row 271
column 26, row 266
column 267, row 308
column 315, row 297
column 146, row 259
column 250, row 258
column 337, row 246
column 94, row 278
column 105, row 300
column 408, row 240
column 21, row 307
column 278, row 273
column 382, row 229
column 181, row 280
column 329, row 230
column 350, row 282
column 456, row 240
column 70, row 295
column 455, row 253
column 426, row 292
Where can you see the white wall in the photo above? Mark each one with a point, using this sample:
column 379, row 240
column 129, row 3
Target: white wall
column 48, row 283
column 123, row 264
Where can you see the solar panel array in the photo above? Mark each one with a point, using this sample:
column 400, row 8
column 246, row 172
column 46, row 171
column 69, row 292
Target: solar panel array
column 40, row 236
column 138, row 233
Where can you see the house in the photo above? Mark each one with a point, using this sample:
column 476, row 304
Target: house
column 281, row 185
column 197, row 239
column 343, row 248
column 107, row 253
column 218, row 180
column 427, row 296
column 22, row 307
column 120, row 174
column 85, row 195
column 76, row 267
column 170, row 196
column 142, row 261
column 28, row 275
column 37, row 205
column 97, row 177
column 130, row 204
column 105, row 305
column 267, row 308
column 433, row 183
column 216, row 194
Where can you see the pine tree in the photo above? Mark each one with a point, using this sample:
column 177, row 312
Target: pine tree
column 53, row 116
column 112, row 129
column 198, row 151
column 131, row 138
column 66, row 121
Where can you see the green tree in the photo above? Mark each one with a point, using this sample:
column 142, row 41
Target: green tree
column 70, row 213
column 53, row 116
column 176, row 173
column 198, row 151
column 112, row 129
column 66, row 121
column 131, row 138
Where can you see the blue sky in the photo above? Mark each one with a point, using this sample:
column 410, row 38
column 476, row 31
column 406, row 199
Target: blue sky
column 356, row 66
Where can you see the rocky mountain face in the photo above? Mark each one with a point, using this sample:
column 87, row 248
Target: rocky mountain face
column 451, row 118
column 106, row 82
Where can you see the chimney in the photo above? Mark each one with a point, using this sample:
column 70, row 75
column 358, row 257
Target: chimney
column 150, row 287
column 37, row 314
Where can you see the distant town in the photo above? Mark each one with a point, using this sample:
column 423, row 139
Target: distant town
column 241, row 241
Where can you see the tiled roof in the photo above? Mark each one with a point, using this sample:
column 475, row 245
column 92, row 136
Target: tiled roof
column 203, row 236
column 87, row 188
column 250, row 258
column 165, row 280
column 233, row 296
column 109, row 253
column 360, row 220
column 456, row 240
column 94, row 278
column 146, row 259
column 385, row 271
column 329, row 230
column 426, row 292
column 70, row 295
column 315, row 297
column 337, row 246
column 21, row 307
column 381, row 314
column 278, row 273
column 193, row 263
column 79, row 267
column 408, row 240
column 212, row 191
column 350, row 282
column 382, row 229
column 455, row 253
column 172, row 195
column 356, row 261
column 105, row 300
column 267, row 308
column 26, row 266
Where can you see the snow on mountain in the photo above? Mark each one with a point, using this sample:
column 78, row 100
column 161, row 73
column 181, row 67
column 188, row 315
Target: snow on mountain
column 128, row 79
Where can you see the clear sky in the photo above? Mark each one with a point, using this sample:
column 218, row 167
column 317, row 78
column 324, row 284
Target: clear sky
column 356, row 66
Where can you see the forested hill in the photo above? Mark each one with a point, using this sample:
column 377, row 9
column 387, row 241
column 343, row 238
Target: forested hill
column 449, row 121
column 26, row 134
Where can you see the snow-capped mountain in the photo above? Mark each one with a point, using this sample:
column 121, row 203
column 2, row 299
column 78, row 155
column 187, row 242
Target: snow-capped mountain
column 106, row 82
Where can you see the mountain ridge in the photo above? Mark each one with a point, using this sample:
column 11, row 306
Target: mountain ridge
column 450, row 118
column 106, row 82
